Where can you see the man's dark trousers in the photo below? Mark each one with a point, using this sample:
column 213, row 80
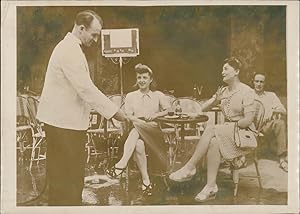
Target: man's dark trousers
column 65, row 165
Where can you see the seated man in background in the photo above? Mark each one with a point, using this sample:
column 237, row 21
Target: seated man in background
column 274, row 127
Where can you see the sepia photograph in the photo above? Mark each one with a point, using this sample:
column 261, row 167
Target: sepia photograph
column 150, row 106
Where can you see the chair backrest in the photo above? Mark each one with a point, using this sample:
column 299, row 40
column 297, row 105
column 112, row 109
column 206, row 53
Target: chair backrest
column 27, row 108
column 33, row 104
column 170, row 99
column 96, row 120
column 23, row 114
column 259, row 115
column 188, row 105
column 117, row 99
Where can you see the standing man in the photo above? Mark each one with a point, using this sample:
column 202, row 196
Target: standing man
column 275, row 127
column 67, row 98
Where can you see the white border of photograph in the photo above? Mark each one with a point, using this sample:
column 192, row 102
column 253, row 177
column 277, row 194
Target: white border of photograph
column 8, row 112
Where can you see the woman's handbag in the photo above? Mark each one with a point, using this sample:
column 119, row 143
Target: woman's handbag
column 244, row 138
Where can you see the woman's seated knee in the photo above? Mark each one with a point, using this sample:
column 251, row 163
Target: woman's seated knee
column 133, row 134
column 210, row 128
column 213, row 143
column 133, row 131
column 209, row 131
column 140, row 147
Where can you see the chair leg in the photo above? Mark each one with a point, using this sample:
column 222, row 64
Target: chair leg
column 88, row 154
column 22, row 149
column 35, row 145
column 32, row 153
column 21, row 138
column 126, row 179
column 235, row 177
column 38, row 156
column 258, row 174
column 166, row 183
column 88, row 149
column 170, row 155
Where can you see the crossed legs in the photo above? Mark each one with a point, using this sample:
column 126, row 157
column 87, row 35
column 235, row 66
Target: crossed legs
column 141, row 161
column 135, row 146
column 129, row 147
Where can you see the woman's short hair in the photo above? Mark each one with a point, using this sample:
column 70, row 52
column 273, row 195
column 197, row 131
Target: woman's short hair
column 233, row 62
column 86, row 17
column 141, row 69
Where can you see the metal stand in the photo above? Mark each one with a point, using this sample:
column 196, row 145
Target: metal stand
column 121, row 61
column 121, row 79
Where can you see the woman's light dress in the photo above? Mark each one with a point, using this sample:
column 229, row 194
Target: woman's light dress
column 234, row 105
column 143, row 105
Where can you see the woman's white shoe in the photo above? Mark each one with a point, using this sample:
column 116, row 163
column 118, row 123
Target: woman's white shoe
column 182, row 175
column 207, row 193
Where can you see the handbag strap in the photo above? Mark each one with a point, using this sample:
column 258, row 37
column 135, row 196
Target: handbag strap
column 236, row 132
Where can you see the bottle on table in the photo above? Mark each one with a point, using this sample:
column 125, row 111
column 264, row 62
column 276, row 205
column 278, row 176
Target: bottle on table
column 178, row 109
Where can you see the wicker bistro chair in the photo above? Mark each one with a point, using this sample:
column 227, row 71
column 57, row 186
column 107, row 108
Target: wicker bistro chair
column 95, row 132
column 38, row 151
column 103, row 137
column 258, row 122
column 30, row 134
column 23, row 129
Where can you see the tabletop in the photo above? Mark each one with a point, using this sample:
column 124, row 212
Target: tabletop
column 216, row 109
column 183, row 120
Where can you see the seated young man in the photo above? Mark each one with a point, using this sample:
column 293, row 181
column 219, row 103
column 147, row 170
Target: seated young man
column 274, row 128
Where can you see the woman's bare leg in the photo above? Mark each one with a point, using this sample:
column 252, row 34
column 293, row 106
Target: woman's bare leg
column 141, row 160
column 189, row 169
column 213, row 162
column 129, row 148
column 201, row 148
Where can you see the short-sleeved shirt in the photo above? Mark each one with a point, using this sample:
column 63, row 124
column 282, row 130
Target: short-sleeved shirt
column 141, row 105
column 270, row 102
column 236, row 103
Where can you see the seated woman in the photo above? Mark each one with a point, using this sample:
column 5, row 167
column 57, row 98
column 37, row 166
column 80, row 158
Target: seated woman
column 142, row 107
column 237, row 104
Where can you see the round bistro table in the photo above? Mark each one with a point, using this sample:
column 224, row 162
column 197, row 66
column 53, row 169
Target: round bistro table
column 181, row 121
